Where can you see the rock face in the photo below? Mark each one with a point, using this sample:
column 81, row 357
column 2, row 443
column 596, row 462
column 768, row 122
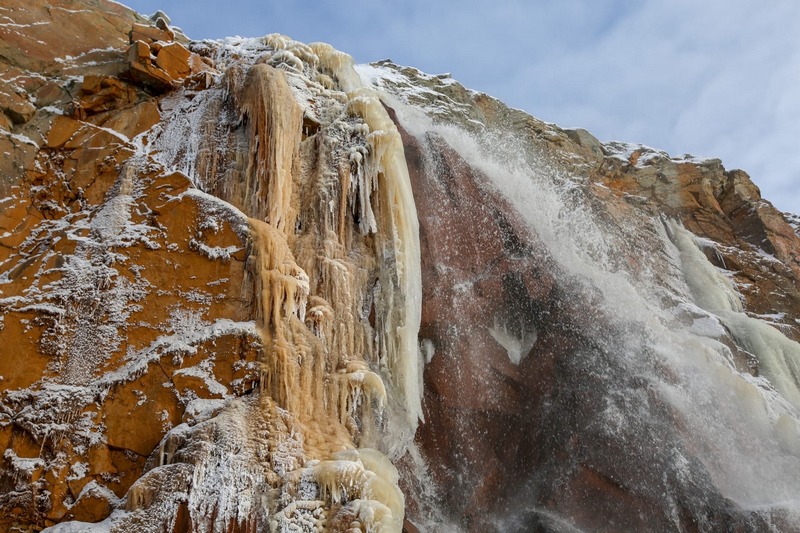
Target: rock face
column 245, row 285
column 195, row 361
column 545, row 409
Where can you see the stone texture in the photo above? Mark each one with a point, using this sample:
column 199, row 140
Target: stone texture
column 150, row 34
column 103, row 93
column 173, row 63
column 144, row 72
column 174, row 60
column 85, row 157
column 5, row 122
column 14, row 106
column 500, row 437
column 100, row 371
column 35, row 45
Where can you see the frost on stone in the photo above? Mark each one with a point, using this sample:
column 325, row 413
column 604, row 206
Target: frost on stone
column 85, row 299
column 243, row 467
column 794, row 222
column 83, row 285
column 291, row 151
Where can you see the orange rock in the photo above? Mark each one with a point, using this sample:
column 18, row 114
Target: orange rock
column 32, row 44
column 139, row 51
column 51, row 93
column 174, row 60
column 150, row 76
column 5, row 122
column 138, row 413
column 150, row 34
column 14, row 105
column 61, row 131
column 93, row 505
column 105, row 93
column 134, row 120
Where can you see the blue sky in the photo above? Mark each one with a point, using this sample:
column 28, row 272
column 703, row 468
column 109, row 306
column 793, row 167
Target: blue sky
column 714, row 78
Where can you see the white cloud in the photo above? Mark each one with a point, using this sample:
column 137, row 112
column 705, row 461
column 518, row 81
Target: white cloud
column 715, row 78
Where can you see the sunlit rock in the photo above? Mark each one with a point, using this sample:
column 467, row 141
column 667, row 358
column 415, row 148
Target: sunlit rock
column 246, row 285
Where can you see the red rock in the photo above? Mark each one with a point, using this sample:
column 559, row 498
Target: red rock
column 510, row 434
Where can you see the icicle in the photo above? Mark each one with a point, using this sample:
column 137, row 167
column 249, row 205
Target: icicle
column 281, row 293
column 399, row 227
column 275, row 121
column 366, row 475
column 778, row 355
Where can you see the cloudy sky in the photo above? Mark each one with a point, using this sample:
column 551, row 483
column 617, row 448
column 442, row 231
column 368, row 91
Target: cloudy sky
column 716, row 78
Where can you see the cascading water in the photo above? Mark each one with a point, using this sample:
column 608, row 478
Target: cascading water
column 657, row 327
column 585, row 365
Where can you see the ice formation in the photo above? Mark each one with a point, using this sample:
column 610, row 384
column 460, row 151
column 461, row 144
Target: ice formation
column 712, row 291
column 674, row 321
column 289, row 150
column 333, row 262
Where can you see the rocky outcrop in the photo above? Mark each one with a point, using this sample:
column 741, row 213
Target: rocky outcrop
column 214, row 258
column 161, row 332
column 525, row 366
column 122, row 285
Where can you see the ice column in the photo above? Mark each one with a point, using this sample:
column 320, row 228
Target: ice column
column 399, row 225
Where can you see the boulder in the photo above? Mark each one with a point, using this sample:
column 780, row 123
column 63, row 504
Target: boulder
column 99, row 94
column 14, row 105
column 174, row 59
column 150, row 34
column 144, row 72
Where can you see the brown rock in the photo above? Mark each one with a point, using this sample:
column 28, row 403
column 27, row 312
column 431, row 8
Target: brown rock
column 19, row 112
column 132, row 121
column 174, row 60
column 519, row 373
column 61, row 131
column 100, row 94
column 14, row 105
column 144, row 72
column 18, row 155
column 139, row 51
column 5, row 122
column 150, row 34
column 129, row 420
column 93, row 504
column 51, row 93
column 33, row 45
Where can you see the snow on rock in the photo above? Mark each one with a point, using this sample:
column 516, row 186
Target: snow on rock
column 640, row 155
column 256, row 236
column 214, row 284
column 794, row 222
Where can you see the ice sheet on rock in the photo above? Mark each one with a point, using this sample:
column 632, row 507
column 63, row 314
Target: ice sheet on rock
column 674, row 310
column 415, row 88
column 779, row 355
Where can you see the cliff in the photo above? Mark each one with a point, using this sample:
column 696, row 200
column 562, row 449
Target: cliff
column 248, row 285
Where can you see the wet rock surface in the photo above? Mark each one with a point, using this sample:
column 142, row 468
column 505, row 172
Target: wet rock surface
column 136, row 310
